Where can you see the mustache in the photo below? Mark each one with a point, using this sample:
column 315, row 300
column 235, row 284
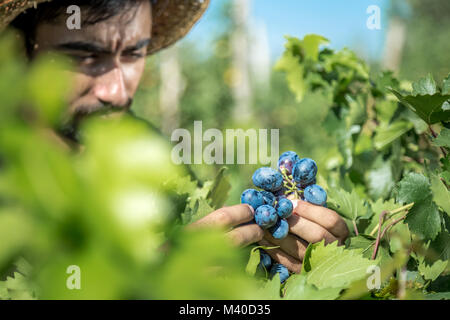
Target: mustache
column 101, row 109
column 70, row 128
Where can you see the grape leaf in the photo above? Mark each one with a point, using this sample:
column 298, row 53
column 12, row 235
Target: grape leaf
column 443, row 140
column 271, row 289
column 379, row 178
column 333, row 266
column 424, row 86
column 423, row 218
column 290, row 64
column 311, row 44
column 297, row 288
column 386, row 134
column 433, row 271
column 428, row 107
column 440, row 194
column 347, row 204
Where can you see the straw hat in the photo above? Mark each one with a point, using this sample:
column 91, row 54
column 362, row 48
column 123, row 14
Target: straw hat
column 172, row 19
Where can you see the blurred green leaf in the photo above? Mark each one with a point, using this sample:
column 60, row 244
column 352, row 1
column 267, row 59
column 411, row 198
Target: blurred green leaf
column 299, row 289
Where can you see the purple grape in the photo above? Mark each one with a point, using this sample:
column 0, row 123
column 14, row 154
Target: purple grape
column 287, row 161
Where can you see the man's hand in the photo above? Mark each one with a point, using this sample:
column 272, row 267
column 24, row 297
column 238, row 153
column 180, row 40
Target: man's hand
column 308, row 224
column 240, row 218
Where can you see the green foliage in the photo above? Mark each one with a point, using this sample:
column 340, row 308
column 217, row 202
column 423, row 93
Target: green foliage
column 118, row 208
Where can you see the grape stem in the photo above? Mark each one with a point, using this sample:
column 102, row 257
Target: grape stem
column 288, row 184
column 391, row 213
column 381, row 235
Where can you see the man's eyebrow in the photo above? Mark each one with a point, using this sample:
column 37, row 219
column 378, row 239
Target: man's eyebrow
column 141, row 44
column 82, row 46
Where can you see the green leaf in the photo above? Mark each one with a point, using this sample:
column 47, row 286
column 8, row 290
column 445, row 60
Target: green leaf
column 253, row 261
column 386, row 134
column 433, row 271
column 333, row 266
column 438, row 296
column 297, row 288
column 440, row 193
column 380, row 180
column 423, row 218
column 311, row 44
column 425, row 86
column 220, row 189
column 271, row 289
column 428, row 107
column 446, row 85
column 347, row 204
column 443, row 140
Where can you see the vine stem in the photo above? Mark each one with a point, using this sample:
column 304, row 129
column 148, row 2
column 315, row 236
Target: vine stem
column 391, row 213
column 381, row 235
column 434, row 134
column 355, row 227
column 377, row 242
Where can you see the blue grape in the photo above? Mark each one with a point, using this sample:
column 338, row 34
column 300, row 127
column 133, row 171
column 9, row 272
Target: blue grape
column 269, row 198
column 266, row 216
column 268, row 179
column 284, row 208
column 282, row 270
column 252, row 197
column 287, row 161
column 316, row 195
column 303, row 186
column 280, row 230
column 305, row 171
column 265, row 260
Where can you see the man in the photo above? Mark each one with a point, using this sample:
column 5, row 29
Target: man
column 109, row 53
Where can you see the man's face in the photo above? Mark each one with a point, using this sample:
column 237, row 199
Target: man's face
column 109, row 58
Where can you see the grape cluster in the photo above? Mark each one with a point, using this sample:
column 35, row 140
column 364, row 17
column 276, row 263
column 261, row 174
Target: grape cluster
column 295, row 178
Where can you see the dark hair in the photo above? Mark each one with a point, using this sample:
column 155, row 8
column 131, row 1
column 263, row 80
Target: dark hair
column 95, row 11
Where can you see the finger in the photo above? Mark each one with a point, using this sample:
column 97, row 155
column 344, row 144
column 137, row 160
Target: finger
column 247, row 234
column 292, row 244
column 293, row 265
column 324, row 217
column 308, row 230
column 227, row 217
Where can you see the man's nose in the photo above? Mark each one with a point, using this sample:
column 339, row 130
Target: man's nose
column 110, row 89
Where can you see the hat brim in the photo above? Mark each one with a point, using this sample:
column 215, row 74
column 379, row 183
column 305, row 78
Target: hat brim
column 172, row 19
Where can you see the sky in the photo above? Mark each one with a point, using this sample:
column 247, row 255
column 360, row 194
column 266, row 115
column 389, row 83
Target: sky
column 343, row 22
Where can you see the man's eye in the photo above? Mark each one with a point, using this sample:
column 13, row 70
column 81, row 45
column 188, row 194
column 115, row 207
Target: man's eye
column 85, row 59
column 134, row 55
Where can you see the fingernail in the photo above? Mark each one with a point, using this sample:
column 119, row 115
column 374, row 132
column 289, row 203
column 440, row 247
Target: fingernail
column 251, row 209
